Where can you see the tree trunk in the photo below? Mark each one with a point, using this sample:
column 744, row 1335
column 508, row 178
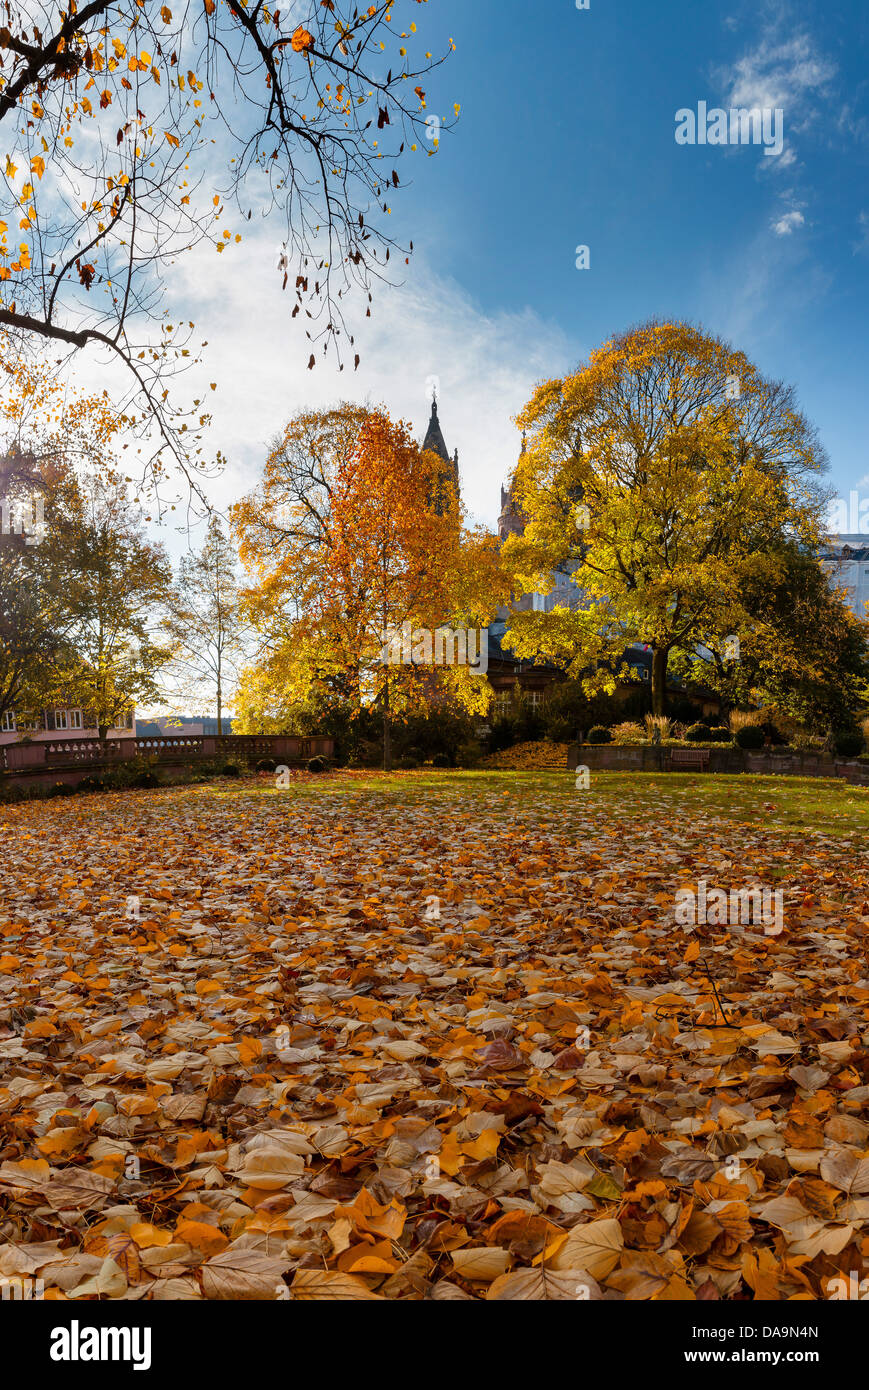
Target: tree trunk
column 659, row 679
column 387, row 727
column 219, row 707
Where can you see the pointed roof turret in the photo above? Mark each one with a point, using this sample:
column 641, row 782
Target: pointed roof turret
column 434, row 440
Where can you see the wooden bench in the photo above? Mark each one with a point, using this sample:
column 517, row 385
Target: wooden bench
column 689, row 757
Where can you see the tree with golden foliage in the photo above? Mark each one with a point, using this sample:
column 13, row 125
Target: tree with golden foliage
column 344, row 545
column 661, row 472
column 46, row 432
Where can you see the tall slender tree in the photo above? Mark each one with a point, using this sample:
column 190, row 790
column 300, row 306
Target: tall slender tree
column 206, row 623
column 116, row 585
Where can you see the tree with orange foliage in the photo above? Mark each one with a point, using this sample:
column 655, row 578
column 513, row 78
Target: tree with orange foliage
column 345, row 545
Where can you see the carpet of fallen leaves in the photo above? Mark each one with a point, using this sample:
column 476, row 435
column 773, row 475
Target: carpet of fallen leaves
column 528, row 756
column 369, row 1044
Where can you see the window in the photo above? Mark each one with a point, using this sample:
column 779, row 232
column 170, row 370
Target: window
column 60, row 719
column 538, row 603
column 501, row 706
column 75, row 718
column 8, row 724
column 534, row 698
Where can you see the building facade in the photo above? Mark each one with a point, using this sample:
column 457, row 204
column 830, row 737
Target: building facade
column 846, row 560
column 59, row 722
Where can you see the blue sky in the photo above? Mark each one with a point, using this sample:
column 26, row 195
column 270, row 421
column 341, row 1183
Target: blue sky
column 567, row 138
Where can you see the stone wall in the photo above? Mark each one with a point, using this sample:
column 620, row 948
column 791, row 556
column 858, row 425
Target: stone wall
column 652, row 758
column 44, row 763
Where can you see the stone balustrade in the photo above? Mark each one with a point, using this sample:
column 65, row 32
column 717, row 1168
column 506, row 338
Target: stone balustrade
column 46, row 754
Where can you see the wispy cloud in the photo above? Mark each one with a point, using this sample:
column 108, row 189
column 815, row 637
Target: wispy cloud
column 781, row 74
column 861, row 245
column 487, row 365
column 788, row 223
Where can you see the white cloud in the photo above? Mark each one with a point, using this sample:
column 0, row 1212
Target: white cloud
column 788, row 223
column 780, row 74
column 787, row 74
column 487, row 364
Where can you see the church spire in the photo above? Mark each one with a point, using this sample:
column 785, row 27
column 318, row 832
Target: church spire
column 434, row 443
column 434, row 439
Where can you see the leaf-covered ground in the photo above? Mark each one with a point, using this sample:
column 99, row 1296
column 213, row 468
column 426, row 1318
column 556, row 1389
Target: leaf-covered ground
column 434, row 1036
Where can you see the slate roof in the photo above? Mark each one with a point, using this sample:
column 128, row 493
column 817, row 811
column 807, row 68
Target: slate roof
column 434, row 440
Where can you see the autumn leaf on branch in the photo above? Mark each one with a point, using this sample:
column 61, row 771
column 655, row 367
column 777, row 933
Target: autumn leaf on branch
column 143, row 191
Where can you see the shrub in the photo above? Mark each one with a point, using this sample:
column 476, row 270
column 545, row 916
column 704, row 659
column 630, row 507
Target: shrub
column 806, row 742
column 719, row 734
column 599, row 735
column 468, row 754
column 530, row 722
column 407, row 764
column 661, row 723
column 698, row 733
column 60, row 789
column 368, row 754
column 440, row 731
column 502, row 734
column 14, row 794
column 317, row 764
column 848, row 743
column 682, row 711
column 440, row 760
column 629, row 732
column 743, row 718
column 127, row 774
column 560, row 729
column 749, row 736
column 266, row 765
column 230, row 770
column 864, row 729
column 91, row 784
column 773, row 733
column 145, row 779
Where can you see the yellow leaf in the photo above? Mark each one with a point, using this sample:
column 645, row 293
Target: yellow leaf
column 249, row 1049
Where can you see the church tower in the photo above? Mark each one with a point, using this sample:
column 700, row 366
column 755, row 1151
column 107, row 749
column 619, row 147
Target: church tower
column 447, row 471
column 511, row 522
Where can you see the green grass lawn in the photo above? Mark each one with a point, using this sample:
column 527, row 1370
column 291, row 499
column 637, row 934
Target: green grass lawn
column 799, row 804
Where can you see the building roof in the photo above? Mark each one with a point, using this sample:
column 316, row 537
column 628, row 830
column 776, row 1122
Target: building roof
column 434, row 440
